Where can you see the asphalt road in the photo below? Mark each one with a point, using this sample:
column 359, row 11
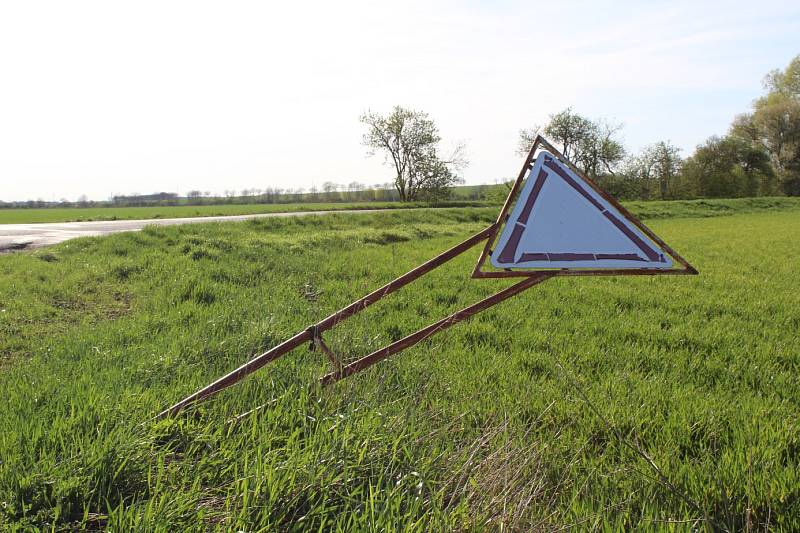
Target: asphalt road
column 24, row 236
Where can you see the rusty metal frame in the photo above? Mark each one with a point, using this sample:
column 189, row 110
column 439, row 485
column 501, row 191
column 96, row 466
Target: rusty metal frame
column 315, row 331
column 313, row 334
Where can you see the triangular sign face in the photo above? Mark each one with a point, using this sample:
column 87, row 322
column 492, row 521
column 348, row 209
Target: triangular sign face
column 561, row 222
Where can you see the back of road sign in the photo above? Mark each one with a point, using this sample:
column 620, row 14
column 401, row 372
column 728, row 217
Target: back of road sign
column 560, row 222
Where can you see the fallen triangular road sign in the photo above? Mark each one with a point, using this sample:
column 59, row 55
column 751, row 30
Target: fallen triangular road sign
column 562, row 223
column 559, row 221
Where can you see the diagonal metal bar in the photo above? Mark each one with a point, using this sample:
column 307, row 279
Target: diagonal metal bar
column 327, row 323
column 434, row 328
column 501, row 217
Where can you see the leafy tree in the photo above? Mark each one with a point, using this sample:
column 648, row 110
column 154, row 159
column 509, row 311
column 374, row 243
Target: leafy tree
column 665, row 162
column 634, row 180
column 774, row 124
column 566, row 128
column 653, row 173
column 728, row 167
column 410, row 139
column 599, row 152
column 591, row 146
column 785, row 82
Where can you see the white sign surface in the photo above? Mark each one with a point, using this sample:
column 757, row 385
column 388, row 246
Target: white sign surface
column 560, row 221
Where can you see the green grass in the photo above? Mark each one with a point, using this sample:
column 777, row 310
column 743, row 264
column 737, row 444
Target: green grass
column 83, row 214
column 712, row 207
column 490, row 425
column 681, row 208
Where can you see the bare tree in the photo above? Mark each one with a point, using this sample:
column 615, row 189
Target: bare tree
column 358, row 189
column 330, row 188
column 194, row 196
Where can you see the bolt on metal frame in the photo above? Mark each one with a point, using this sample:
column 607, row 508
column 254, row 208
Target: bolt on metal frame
column 313, row 333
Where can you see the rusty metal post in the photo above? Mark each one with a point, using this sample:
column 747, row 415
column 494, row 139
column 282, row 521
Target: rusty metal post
column 433, row 329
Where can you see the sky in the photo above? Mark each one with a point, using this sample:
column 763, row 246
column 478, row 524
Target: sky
column 103, row 98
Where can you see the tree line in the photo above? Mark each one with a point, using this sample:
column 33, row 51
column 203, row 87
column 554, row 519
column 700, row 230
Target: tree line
column 759, row 156
column 328, row 192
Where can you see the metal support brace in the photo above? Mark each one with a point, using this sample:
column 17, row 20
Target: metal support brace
column 312, row 332
column 318, row 343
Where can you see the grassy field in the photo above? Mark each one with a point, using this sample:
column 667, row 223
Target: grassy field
column 83, row 214
column 685, row 208
column 532, row 416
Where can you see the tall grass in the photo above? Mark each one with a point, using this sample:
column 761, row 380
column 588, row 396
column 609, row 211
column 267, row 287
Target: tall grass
column 477, row 428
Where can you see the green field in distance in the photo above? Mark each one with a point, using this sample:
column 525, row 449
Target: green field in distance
column 657, row 209
column 84, row 214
